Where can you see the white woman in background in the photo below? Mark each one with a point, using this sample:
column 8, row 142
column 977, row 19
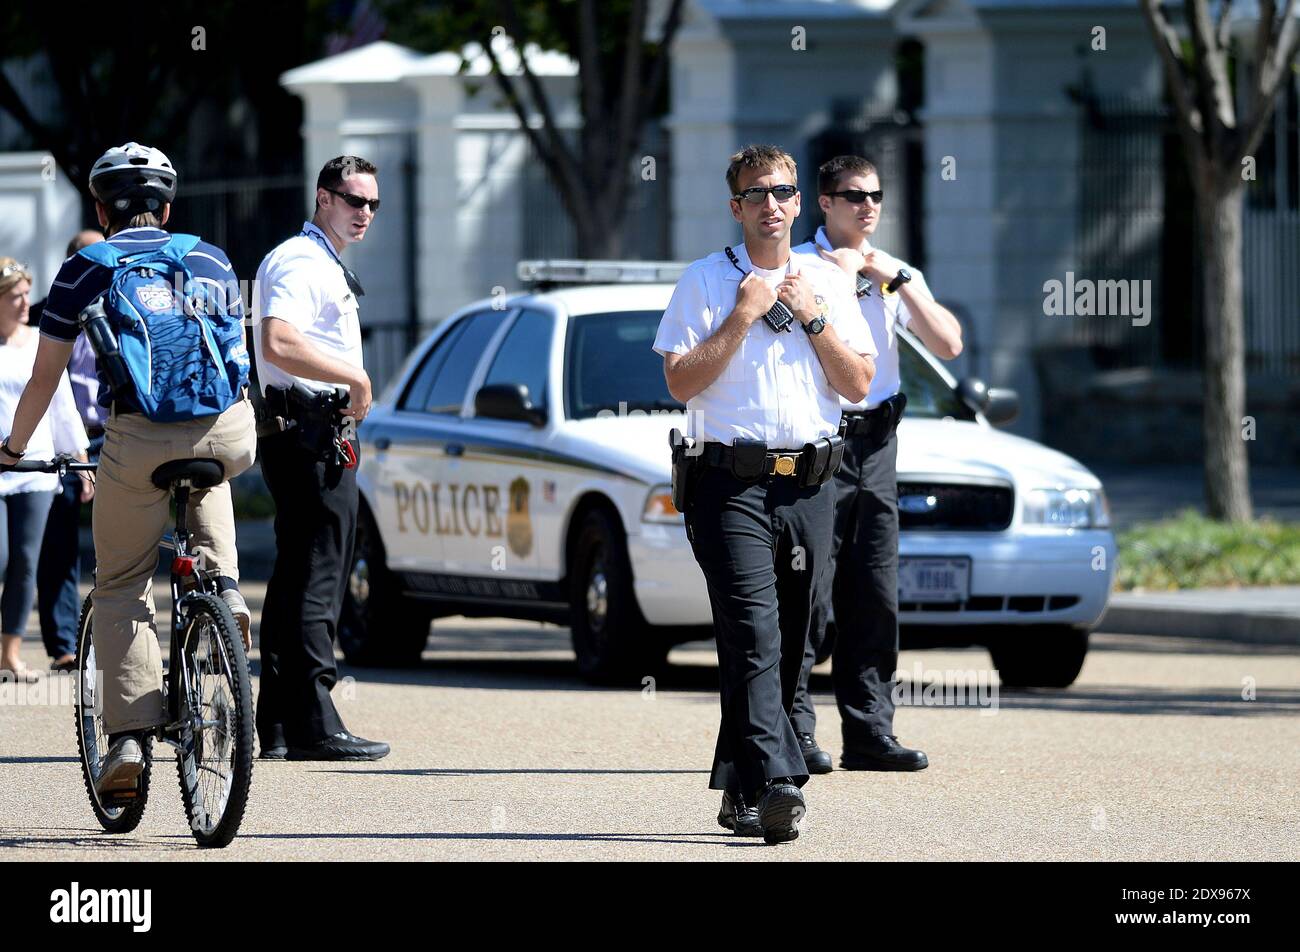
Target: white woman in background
column 25, row 497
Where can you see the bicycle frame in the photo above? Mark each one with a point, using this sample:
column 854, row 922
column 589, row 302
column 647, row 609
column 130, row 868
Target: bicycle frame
column 187, row 577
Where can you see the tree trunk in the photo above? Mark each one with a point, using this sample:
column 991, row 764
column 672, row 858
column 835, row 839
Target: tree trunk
column 1227, row 475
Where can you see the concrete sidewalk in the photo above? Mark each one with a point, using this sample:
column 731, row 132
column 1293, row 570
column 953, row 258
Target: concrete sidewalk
column 1268, row 616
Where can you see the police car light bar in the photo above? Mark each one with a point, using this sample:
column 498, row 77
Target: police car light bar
column 600, row 272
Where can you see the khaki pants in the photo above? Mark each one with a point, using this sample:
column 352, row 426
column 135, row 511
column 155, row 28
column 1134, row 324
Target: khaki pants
column 131, row 515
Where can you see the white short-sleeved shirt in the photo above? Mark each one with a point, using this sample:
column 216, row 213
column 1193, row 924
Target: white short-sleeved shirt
column 60, row 430
column 884, row 313
column 774, row 388
column 301, row 281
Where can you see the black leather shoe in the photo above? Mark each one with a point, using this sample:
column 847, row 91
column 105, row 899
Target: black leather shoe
column 814, row 758
column 276, row 752
column 340, row 746
column 881, row 752
column 780, row 808
column 738, row 817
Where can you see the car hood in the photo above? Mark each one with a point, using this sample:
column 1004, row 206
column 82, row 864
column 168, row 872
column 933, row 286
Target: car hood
column 638, row 447
column 960, row 448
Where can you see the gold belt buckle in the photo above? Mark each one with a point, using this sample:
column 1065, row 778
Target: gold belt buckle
column 783, row 466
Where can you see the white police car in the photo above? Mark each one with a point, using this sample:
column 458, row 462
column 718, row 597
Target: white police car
column 518, row 466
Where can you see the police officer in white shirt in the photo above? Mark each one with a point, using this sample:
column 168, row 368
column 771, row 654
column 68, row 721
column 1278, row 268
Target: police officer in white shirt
column 865, row 589
column 307, row 343
column 763, row 406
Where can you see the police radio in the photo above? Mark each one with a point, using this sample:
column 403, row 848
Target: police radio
column 778, row 316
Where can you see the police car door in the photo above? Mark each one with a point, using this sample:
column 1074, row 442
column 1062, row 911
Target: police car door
column 502, row 483
column 417, row 447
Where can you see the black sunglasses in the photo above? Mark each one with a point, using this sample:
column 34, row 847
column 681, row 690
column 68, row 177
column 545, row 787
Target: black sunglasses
column 857, row 196
column 356, row 201
column 757, row 195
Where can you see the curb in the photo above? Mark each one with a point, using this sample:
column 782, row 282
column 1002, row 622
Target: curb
column 1243, row 627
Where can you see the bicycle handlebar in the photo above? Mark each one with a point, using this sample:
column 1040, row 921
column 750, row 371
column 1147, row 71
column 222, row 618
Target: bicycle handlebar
column 60, row 464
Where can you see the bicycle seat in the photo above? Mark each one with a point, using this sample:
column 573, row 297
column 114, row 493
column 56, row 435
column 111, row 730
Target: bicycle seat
column 202, row 473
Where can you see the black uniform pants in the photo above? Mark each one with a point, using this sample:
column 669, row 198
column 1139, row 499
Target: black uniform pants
column 315, row 528
column 763, row 548
column 864, row 595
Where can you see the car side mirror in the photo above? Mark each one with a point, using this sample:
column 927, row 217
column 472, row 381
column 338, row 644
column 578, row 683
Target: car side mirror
column 998, row 404
column 507, row 401
column 973, row 392
column 1003, row 405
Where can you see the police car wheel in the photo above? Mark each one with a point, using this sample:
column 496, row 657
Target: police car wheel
column 610, row 638
column 379, row 626
column 1039, row 656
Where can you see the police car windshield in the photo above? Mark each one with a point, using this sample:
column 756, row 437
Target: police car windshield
column 610, row 365
column 928, row 394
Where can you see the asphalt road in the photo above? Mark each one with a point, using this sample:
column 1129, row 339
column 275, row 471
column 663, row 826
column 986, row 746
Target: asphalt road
column 501, row 752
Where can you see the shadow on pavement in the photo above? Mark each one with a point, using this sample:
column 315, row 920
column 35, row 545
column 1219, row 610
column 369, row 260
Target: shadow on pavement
column 40, row 760
column 674, row 839
column 477, row 771
column 42, row 838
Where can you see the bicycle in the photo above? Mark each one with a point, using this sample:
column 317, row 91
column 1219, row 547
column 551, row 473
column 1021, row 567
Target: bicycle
column 207, row 693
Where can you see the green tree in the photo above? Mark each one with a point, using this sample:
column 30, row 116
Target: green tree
column 1221, row 119
column 202, row 84
column 622, row 79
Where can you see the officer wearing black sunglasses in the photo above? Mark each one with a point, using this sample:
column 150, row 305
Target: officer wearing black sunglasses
column 761, row 347
column 307, row 342
column 865, row 589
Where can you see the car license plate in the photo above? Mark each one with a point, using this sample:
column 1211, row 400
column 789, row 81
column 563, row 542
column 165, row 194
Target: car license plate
column 933, row 580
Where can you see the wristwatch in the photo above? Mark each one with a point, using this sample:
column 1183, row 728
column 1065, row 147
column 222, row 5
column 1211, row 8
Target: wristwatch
column 5, row 446
column 864, row 285
column 900, row 279
column 816, row 325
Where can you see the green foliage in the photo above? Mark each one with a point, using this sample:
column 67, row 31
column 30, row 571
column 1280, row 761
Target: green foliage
column 202, row 84
column 1192, row 551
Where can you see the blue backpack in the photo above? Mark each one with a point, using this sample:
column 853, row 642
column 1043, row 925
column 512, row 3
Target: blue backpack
column 185, row 355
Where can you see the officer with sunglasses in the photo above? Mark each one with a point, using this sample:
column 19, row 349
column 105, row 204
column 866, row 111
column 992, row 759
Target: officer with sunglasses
column 761, row 347
column 864, row 592
column 314, row 389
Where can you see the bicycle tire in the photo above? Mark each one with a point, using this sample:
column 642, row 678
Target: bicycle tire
column 208, row 618
column 92, row 740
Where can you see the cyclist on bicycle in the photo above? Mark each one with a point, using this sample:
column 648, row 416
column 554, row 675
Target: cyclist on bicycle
column 134, row 186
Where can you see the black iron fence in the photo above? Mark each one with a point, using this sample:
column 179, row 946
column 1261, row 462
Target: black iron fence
column 1137, row 222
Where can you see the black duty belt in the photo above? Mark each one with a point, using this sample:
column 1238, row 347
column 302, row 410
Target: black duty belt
column 878, row 422
column 778, row 462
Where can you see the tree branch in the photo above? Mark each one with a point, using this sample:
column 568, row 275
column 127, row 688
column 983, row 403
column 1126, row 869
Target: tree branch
column 1167, row 45
column 1281, row 51
column 1222, row 29
column 659, row 62
column 632, row 92
column 553, row 151
column 1211, row 74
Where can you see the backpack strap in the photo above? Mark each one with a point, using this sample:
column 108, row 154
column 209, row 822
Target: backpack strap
column 103, row 253
column 180, row 245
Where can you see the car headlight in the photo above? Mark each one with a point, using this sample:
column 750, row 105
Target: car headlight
column 659, row 506
column 1067, row 508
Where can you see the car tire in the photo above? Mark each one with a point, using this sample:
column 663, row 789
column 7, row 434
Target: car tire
column 1039, row 656
column 611, row 639
column 379, row 626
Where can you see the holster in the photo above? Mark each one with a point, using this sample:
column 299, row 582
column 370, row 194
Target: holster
column 820, row 460
column 685, row 468
column 313, row 417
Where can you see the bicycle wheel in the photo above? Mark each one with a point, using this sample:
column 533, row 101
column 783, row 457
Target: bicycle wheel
column 215, row 760
column 118, row 815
